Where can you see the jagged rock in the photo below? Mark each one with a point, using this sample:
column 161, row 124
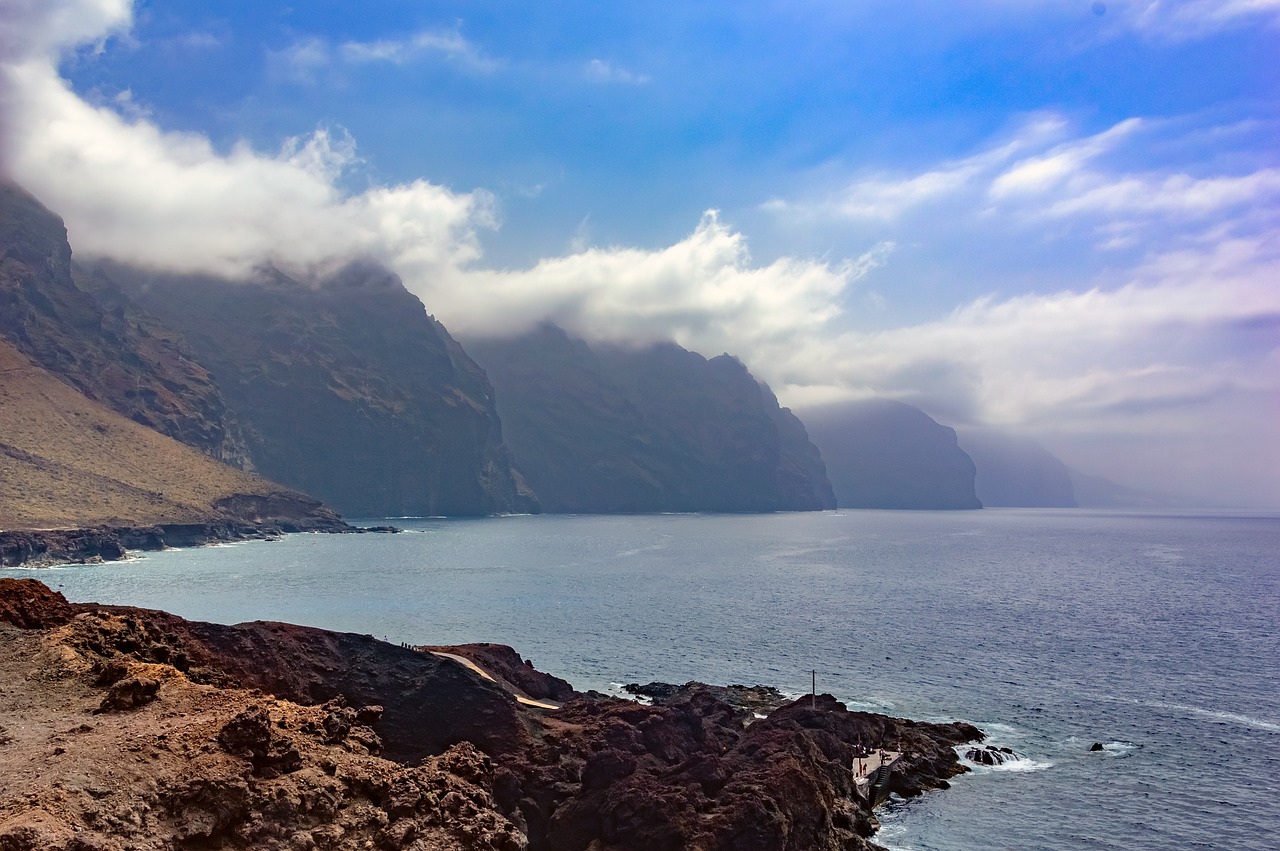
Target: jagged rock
column 251, row 735
column 749, row 701
column 30, row 604
column 991, row 755
column 234, row 769
column 130, row 693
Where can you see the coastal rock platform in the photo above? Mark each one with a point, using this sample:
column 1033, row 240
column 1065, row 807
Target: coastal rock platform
column 131, row 728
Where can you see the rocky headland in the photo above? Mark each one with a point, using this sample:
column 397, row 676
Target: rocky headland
column 129, row 728
column 600, row 428
column 885, row 454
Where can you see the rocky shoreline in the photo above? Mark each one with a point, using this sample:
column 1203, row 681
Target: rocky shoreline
column 131, row 728
column 47, row 547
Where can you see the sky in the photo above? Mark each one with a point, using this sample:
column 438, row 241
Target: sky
column 1055, row 218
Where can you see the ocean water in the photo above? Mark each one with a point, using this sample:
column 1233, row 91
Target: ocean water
column 1155, row 635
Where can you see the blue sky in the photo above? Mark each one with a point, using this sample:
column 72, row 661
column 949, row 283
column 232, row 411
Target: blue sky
column 1058, row 218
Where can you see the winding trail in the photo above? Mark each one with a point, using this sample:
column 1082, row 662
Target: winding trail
column 518, row 695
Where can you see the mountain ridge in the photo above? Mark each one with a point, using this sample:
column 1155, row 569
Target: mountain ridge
column 602, row 428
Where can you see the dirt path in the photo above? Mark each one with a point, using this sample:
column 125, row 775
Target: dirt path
column 520, row 698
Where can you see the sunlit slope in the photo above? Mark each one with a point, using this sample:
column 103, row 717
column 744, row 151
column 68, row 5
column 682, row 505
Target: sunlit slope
column 66, row 461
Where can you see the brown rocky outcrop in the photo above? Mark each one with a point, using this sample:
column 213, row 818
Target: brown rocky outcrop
column 268, row 735
column 506, row 666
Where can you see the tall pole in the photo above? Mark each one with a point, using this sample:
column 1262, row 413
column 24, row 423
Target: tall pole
column 813, row 692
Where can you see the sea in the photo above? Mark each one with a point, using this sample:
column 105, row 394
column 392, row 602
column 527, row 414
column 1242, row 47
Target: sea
column 1155, row 635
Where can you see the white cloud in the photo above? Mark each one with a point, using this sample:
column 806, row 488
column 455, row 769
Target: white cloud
column 446, row 45
column 302, row 60
column 36, row 29
column 1038, row 176
column 1175, row 194
column 130, row 190
column 704, row 292
column 602, row 71
column 1074, row 358
column 1187, row 19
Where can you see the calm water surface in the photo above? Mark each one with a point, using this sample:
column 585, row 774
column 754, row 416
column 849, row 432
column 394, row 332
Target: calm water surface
column 1156, row 635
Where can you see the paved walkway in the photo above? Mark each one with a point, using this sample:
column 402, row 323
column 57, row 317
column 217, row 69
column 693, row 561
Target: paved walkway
column 865, row 768
column 520, row 698
column 868, row 765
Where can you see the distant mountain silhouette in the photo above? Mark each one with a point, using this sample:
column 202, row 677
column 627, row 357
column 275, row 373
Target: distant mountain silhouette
column 885, row 454
column 1098, row 492
column 1017, row 472
column 605, row 428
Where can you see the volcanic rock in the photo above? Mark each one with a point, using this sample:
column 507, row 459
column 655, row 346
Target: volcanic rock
column 255, row 743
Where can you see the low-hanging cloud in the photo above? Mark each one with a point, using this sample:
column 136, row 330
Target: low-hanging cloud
column 170, row 200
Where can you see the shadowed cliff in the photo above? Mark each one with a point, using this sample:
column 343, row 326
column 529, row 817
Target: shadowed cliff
column 609, row 429
column 347, row 389
column 1017, row 472
column 884, row 454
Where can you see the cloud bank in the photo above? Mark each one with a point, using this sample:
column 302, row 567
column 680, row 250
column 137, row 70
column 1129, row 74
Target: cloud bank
column 1183, row 343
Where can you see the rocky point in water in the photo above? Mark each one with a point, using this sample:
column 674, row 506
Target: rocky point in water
column 129, row 728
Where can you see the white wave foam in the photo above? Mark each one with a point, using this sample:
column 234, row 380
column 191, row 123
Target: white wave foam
column 617, row 690
column 1203, row 712
column 1118, row 747
column 1013, row 763
column 1020, row 766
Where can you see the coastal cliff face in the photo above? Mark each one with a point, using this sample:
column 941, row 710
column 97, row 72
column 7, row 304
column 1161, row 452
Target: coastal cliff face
column 128, row 725
column 884, row 454
column 1017, row 472
column 347, row 389
column 67, row 462
column 604, row 428
column 81, row 328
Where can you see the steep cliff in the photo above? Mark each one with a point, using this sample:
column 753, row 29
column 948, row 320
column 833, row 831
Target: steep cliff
column 69, row 462
column 1017, row 472
column 89, row 335
column 611, row 429
column 884, row 454
column 346, row 388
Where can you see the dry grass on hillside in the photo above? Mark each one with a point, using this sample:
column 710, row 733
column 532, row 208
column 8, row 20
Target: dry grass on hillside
column 66, row 461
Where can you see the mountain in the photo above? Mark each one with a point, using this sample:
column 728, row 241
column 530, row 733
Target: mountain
column 885, row 454
column 90, row 335
column 604, row 428
column 1017, row 472
column 345, row 387
column 1098, row 492
column 69, row 462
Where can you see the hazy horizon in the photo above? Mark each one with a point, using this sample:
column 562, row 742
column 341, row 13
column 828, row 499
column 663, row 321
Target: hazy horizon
column 1058, row 219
